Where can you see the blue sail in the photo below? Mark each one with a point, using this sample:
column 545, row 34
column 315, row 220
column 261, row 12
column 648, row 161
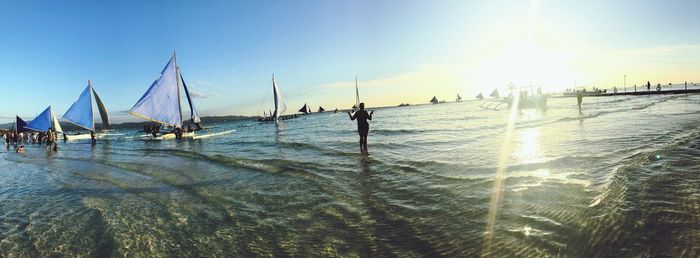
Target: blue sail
column 193, row 111
column 20, row 125
column 161, row 103
column 80, row 113
column 42, row 122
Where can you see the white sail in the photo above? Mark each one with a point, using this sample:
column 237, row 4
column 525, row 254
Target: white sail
column 280, row 105
column 56, row 126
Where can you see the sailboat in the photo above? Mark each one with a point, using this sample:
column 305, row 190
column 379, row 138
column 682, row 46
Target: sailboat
column 45, row 120
column 81, row 115
column 320, row 109
column 19, row 125
column 161, row 104
column 280, row 105
column 304, row 109
column 459, row 98
column 357, row 97
column 434, row 100
column 495, row 94
column 480, row 96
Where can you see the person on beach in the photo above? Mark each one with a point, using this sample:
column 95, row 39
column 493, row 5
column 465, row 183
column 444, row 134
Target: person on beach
column 579, row 99
column 51, row 140
column 648, row 86
column 362, row 125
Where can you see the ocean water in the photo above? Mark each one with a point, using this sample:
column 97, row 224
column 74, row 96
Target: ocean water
column 620, row 179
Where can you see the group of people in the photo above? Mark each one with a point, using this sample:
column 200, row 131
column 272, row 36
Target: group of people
column 19, row 138
column 154, row 129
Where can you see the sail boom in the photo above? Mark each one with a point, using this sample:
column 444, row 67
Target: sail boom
column 79, row 125
column 150, row 119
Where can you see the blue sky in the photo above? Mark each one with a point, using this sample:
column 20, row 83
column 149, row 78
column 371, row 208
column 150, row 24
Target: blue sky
column 402, row 51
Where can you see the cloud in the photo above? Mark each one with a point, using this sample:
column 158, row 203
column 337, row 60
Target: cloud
column 200, row 95
column 426, row 75
column 201, row 83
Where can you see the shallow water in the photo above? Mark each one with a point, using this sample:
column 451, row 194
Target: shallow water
column 619, row 179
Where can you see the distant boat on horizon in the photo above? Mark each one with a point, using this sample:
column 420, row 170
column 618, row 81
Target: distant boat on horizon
column 305, row 109
column 494, row 94
column 480, row 96
column 434, row 100
column 459, row 98
column 320, row 109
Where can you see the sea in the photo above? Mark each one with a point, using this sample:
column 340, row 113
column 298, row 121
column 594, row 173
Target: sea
column 621, row 178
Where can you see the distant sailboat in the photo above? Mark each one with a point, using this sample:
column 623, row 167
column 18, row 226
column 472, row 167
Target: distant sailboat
column 480, row 96
column 304, row 109
column 320, row 109
column 161, row 103
column 81, row 115
column 280, row 105
column 434, row 100
column 459, row 98
column 495, row 94
column 45, row 120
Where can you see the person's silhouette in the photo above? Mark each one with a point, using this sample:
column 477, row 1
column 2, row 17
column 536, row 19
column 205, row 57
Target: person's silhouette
column 362, row 125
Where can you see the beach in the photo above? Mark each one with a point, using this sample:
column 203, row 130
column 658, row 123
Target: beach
column 619, row 179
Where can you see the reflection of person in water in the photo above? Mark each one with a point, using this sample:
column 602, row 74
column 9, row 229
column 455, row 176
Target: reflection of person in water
column 362, row 125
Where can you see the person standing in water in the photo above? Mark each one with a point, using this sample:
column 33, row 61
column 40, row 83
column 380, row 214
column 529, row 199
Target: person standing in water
column 50, row 140
column 579, row 98
column 362, row 125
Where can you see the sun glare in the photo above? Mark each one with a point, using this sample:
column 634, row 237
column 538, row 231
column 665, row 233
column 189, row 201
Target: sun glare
column 524, row 65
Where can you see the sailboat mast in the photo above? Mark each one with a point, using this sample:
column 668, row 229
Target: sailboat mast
column 177, row 76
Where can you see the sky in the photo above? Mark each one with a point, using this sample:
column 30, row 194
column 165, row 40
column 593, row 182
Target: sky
column 401, row 51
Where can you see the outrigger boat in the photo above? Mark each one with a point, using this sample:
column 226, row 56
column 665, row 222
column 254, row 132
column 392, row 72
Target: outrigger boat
column 161, row 104
column 495, row 103
column 305, row 109
column 45, row 120
column 81, row 115
column 280, row 106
